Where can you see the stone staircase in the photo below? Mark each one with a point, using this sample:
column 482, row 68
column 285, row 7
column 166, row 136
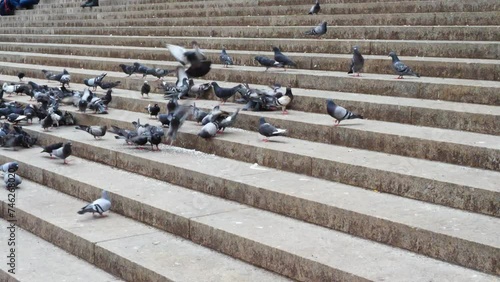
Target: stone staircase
column 412, row 193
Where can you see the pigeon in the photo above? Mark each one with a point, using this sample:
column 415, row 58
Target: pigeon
column 282, row 59
column 63, row 152
column 225, row 58
column 108, row 85
column 209, row 130
column 95, row 130
column 10, row 167
column 179, row 116
column 123, row 132
column 357, row 61
column 128, row 69
column 199, row 70
column 178, row 53
column 229, row 120
column 199, row 90
column 142, row 69
column 48, row 149
column 155, row 140
column 47, row 122
column 99, row 206
column 15, row 118
column 198, row 114
column 64, row 78
column 195, row 57
column 107, row 98
column 157, row 72
column 21, row 75
column 268, row 63
column 209, row 117
column 224, row 93
column 400, row 68
column 318, row 30
column 12, row 180
column 94, row 82
column 285, row 100
column 9, row 88
column 339, row 113
column 267, row 130
column 315, row 8
column 153, row 110
column 138, row 140
column 145, row 89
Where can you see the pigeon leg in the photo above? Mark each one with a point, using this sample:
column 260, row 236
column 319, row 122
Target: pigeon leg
column 265, row 140
column 157, row 148
column 358, row 75
column 399, row 77
column 285, row 112
column 336, row 123
column 65, row 161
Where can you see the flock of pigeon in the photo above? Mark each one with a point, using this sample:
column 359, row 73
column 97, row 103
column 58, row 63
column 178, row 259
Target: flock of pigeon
column 194, row 64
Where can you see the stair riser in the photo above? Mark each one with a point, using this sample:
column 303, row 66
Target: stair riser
column 430, row 19
column 472, row 70
column 436, row 245
column 480, row 123
column 341, row 32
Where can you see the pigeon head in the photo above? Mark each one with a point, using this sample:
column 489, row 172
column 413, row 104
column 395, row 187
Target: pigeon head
column 146, row 82
column 276, row 49
column 356, row 48
column 262, row 120
column 394, row 57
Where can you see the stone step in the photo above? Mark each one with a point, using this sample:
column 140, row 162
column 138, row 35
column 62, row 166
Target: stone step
column 122, row 246
column 448, row 49
column 243, row 8
column 441, row 114
column 436, row 67
column 30, row 266
column 434, row 182
column 457, row 33
column 413, row 19
column 455, row 147
column 180, row 206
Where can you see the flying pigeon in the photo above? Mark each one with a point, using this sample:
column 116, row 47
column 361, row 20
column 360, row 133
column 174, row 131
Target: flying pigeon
column 179, row 116
column 199, row 70
column 357, row 61
column 153, row 110
column 228, row 121
column 400, row 68
column 339, row 113
column 10, row 167
column 99, row 206
column 268, row 130
column 285, row 100
column 63, row 152
column 268, row 63
column 282, row 59
column 145, row 89
column 318, row 30
column 95, row 130
column 48, row 149
column 225, row 58
column 315, row 8
column 128, row 69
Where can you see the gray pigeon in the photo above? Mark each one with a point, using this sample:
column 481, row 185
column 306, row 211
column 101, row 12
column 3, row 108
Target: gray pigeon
column 198, row 114
column 93, row 82
column 180, row 115
column 339, row 113
column 318, row 30
column 99, row 206
column 282, row 59
column 63, row 152
column 229, row 120
column 10, row 167
column 357, row 61
column 12, row 180
column 208, row 131
column 268, row 130
column 52, row 147
column 400, row 68
column 95, row 130
column 315, row 8
column 224, row 58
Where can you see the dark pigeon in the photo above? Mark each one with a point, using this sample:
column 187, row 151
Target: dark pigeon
column 315, row 8
column 282, row 59
column 268, row 63
column 268, row 130
column 357, row 61
column 48, row 149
